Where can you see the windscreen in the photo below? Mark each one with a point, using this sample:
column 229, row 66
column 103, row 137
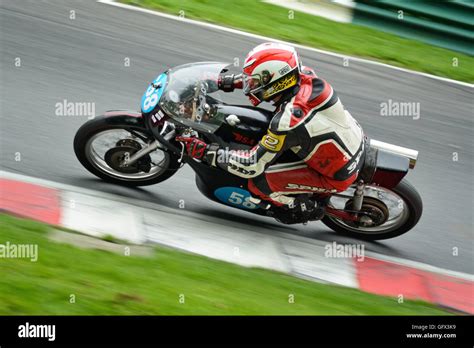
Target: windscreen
column 187, row 91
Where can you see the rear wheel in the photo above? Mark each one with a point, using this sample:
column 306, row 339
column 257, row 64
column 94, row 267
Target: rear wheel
column 389, row 213
column 101, row 147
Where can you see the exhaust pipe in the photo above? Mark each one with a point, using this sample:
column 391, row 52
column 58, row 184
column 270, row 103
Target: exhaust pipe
column 411, row 154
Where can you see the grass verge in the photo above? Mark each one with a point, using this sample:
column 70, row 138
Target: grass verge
column 273, row 21
column 106, row 283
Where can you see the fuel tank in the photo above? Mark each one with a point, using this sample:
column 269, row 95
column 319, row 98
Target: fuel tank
column 244, row 125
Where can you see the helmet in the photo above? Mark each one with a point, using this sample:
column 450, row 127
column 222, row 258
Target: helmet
column 269, row 70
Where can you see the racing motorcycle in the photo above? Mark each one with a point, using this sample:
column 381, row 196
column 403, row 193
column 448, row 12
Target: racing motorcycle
column 140, row 148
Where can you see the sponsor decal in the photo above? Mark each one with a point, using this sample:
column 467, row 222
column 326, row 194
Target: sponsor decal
column 157, row 117
column 243, row 139
column 273, row 142
column 354, row 164
column 280, row 85
column 241, row 170
column 284, row 70
column 309, row 188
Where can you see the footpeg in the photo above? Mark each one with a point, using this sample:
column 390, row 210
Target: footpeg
column 260, row 203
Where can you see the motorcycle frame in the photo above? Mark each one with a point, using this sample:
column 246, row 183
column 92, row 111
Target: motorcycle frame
column 384, row 164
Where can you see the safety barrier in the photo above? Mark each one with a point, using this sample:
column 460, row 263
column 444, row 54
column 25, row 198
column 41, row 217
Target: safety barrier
column 445, row 23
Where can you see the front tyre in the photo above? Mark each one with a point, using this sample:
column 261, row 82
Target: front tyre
column 102, row 143
column 411, row 210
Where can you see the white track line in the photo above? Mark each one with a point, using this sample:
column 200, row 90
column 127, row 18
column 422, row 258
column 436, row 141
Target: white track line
column 139, row 204
column 255, row 36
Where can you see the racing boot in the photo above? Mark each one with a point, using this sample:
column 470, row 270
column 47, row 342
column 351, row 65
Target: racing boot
column 308, row 209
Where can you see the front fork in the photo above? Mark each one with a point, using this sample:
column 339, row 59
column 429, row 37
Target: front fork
column 168, row 132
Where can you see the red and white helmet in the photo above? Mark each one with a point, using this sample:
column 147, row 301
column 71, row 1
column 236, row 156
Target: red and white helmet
column 270, row 69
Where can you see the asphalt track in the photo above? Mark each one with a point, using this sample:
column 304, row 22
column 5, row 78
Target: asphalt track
column 82, row 60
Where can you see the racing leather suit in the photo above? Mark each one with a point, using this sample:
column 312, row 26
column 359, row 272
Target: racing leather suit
column 311, row 122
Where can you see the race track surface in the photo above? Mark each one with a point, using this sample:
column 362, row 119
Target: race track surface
column 82, row 60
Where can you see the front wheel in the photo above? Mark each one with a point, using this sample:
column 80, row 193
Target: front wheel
column 101, row 146
column 397, row 210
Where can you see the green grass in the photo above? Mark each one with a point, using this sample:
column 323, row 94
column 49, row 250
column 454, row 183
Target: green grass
column 111, row 284
column 270, row 20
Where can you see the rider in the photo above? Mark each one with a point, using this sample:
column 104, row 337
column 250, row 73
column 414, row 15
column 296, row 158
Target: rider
column 309, row 121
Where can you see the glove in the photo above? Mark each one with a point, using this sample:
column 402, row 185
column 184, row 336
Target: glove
column 195, row 147
column 228, row 83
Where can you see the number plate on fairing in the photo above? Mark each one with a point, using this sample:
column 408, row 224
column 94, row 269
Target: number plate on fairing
column 235, row 196
column 153, row 93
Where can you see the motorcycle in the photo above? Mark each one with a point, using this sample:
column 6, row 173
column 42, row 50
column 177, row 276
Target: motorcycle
column 140, row 148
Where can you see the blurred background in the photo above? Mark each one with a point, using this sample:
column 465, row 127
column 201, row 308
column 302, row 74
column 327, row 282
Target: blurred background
column 106, row 53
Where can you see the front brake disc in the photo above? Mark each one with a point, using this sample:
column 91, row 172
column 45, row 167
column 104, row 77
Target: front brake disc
column 115, row 156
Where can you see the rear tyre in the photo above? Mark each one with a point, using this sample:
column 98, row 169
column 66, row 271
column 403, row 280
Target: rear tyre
column 414, row 206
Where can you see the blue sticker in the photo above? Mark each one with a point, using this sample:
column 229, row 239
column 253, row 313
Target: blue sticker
column 152, row 95
column 235, row 196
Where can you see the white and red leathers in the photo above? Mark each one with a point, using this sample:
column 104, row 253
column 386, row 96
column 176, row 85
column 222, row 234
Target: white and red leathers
column 311, row 122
